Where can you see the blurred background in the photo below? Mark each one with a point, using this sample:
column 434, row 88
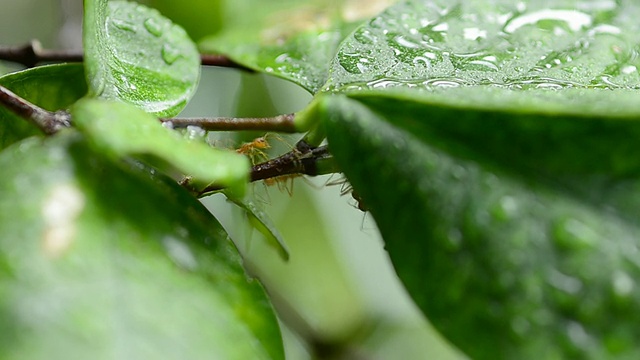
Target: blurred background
column 337, row 296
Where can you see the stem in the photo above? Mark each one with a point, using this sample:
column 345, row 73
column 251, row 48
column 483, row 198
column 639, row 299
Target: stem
column 49, row 122
column 280, row 123
column 312, row 163
column 33, row 54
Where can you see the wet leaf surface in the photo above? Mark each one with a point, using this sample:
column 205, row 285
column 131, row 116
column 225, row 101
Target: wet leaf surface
column 494, row 144
column 134, row 54
column 103, row 260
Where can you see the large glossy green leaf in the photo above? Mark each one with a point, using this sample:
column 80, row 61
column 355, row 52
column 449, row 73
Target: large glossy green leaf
column 123, row 130
column 52, row 87
column 292, row 39
column 553, row 84
column 495, row 144
column 105, row 261
column 134, row 54
column 503, row 266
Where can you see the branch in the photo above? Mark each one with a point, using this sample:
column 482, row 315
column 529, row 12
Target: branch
column 280, row 123
column 301, row 160
column 47, row 121
column 33, row 54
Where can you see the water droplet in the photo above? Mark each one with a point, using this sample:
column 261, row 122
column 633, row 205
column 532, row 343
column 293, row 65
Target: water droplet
column 578, row 335
column 180, row 253
column 505, row 209
column 572, row 234
column 623, row 284
column 195, row 132
column 170, row 54
column 574, row 20
column 474, row 34
column 124, row 25
column 168, row 125
column 154, row 27
column 563, row 282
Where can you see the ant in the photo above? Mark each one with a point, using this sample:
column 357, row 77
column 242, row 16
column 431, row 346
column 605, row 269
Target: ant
column 346, row 188
column 254, row 149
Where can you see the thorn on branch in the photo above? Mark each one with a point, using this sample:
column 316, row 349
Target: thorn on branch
column 47, row 121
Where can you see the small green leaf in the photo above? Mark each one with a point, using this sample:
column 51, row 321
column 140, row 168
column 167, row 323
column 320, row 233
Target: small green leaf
column 52, row 87
column 101, row 260
column 262, row 223
column 122, row 130
column 134, row 54
column 504, row 266
column 292, row 39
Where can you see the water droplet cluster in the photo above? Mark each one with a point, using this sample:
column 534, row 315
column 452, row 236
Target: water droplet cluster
column 152, row 62
column 442, row 44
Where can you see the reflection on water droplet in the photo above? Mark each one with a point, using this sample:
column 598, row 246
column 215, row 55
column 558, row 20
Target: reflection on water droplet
column 168, row 125
column 572, row 234
column 474, row 34
column 623, row 284
column 180, row 253
column 153, row 26
column 170, row 54
column 404, row 42
column 506, row 209
column 563, row 282
column 578, row 335
column 195, row 132
column 124, row 25
column 628, row 69
column 575, row 20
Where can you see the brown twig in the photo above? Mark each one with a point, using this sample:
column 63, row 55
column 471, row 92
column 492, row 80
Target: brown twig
column 280, row 123
column 49, row 122
column 33, row 54
column 293, row 162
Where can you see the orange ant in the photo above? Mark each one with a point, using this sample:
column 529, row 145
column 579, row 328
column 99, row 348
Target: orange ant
column 284, row 182
column 254, row 149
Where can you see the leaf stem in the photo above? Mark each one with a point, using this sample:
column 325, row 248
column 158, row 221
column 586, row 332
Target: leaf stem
column 47, row 121
column 33, row 54
column 281, row 123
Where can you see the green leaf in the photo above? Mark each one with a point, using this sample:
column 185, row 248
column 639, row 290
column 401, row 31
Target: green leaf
column 261, row 221
column 105, row 261
column 52, row 87
column 554, row 85
column 494, row 142
column 292, row 39
column 505, row 267
column 122, row 130
column 198, row 17
column 135, row 55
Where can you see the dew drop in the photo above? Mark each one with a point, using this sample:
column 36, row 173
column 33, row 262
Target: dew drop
column 170, row 54
column 575, row 20
column 153, row 27
column 124, row 25
column 565, row 283
column 195, row 132
column 180, row 253
column 622, row 284
column 572, row 234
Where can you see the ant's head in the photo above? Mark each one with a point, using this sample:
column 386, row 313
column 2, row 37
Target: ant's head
column 261, row 143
